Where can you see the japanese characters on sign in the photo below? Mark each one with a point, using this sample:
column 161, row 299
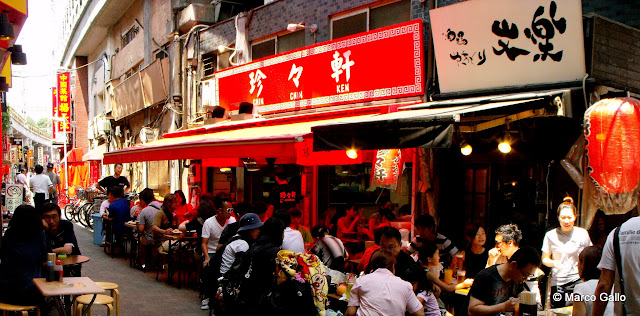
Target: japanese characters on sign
column 346, row 70
column 514, row 43
column 64, row 101
column 13, row 197
column 387, row 168
column 54, row 107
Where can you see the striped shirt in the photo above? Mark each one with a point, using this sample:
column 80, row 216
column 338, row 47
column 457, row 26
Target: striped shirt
column 444, row 244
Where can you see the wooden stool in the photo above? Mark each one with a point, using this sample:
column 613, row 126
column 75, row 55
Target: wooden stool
column 113, row 287
column 6, row 308
column 101, row 299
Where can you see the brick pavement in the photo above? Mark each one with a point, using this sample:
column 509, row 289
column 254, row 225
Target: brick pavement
column 140, row 293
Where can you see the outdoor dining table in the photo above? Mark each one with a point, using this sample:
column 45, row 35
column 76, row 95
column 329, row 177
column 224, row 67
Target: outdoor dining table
column 182, row 240
column 69, row 286
column 74, row 259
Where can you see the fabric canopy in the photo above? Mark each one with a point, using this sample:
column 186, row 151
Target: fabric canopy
column 73, row 156
column 96, row 153
column 427, row 125
column 256, row 142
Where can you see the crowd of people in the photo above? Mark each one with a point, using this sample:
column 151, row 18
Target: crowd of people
column 243, row 249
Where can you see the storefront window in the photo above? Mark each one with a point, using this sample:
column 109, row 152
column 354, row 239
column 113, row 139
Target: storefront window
column 370, row 19
column 158, row 177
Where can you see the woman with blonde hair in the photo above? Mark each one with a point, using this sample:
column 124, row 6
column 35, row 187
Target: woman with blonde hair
column 560, row 250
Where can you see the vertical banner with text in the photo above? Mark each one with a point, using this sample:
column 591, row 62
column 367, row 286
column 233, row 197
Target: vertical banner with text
column 54, row 107
column 64, row 101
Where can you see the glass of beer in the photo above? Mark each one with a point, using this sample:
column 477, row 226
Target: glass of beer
column 459, row 261
column 448, row 275
column 461, row 276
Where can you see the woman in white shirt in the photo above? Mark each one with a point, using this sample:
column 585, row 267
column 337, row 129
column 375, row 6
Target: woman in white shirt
column 560, row 249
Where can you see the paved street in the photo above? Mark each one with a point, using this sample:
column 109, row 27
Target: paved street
column 140, row 293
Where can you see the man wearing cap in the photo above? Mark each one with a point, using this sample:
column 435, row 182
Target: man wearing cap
column 55, row 180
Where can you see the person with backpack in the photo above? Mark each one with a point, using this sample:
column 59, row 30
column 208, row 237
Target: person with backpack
column 232, row 255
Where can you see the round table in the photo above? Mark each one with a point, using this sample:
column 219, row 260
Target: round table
column 74, row 259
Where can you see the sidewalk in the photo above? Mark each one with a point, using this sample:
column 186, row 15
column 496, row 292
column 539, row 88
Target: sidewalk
column 140, row 293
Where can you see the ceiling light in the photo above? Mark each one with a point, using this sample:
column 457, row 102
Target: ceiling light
column 504, row 146
column 17, row 56
column 352, row 153
column 6, row 28
column 225, row 169
column 465, row 148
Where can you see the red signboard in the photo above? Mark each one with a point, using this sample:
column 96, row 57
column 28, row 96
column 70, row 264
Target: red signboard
column 380, row 64
column 64, row 101
column 54, row 107
column 387, row 168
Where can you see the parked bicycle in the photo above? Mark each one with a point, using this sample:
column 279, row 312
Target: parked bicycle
column 86, row 203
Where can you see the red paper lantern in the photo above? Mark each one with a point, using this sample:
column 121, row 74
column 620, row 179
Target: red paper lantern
column 612, row 131
column 387, row 168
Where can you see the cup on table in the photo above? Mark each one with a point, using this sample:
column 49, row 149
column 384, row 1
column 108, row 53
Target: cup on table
column 448, row 275
column 349, row 287
column 461, row 276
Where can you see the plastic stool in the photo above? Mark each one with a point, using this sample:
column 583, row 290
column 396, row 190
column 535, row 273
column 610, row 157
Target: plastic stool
column 6, row 308
column 113, row 287
column 101, row 299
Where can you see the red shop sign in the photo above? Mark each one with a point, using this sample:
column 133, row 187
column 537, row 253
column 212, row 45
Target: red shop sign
column 380, row 64
column 387, row 168
column 64, row 101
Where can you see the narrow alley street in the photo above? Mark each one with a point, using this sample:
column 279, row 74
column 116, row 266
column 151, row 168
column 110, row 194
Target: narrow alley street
column 140, row 293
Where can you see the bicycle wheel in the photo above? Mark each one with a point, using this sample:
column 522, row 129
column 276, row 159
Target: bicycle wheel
column 68, row 212
column 82, row 214
column 90, row 211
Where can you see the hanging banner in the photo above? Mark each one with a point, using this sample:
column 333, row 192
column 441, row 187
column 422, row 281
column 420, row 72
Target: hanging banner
column 612, row 132
column 387, row 168
column 64, row 101
column 54, row 107
column 512, row 43
column 380, row 64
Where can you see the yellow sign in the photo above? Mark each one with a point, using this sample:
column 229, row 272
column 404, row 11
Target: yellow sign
column 19, row 5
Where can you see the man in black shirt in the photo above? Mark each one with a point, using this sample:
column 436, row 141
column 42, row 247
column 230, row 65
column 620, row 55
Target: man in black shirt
column 284, row 195
column 117, row 179
column 495, row 289
column 60, row 236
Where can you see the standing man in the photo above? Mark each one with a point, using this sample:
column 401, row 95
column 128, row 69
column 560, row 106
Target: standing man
column 629, row 254
column 41, row 186
column 495, row 289
column 284, row 195
column 117, row 179
column 55, row 180
column 21, row 178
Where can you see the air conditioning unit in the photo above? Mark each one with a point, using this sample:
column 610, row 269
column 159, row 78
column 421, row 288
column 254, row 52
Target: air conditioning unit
column 208, row 93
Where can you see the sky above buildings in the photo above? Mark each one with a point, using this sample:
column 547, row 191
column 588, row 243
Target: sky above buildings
column 30, row 93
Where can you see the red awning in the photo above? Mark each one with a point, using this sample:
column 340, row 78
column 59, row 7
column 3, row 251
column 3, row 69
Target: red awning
column 280, row 141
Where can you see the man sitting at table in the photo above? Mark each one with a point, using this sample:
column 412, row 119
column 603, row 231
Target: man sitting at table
column 118, row 211
column 428, row 233
column 352, row 224
column 390, row 241
column 495, row 289
column 292, row 238
column 382, row 293
column 329, row 249
column 60, row 236
column 149, row 207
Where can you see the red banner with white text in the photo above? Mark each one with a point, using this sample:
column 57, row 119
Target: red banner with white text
column 379, row 64
column 64, row 101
